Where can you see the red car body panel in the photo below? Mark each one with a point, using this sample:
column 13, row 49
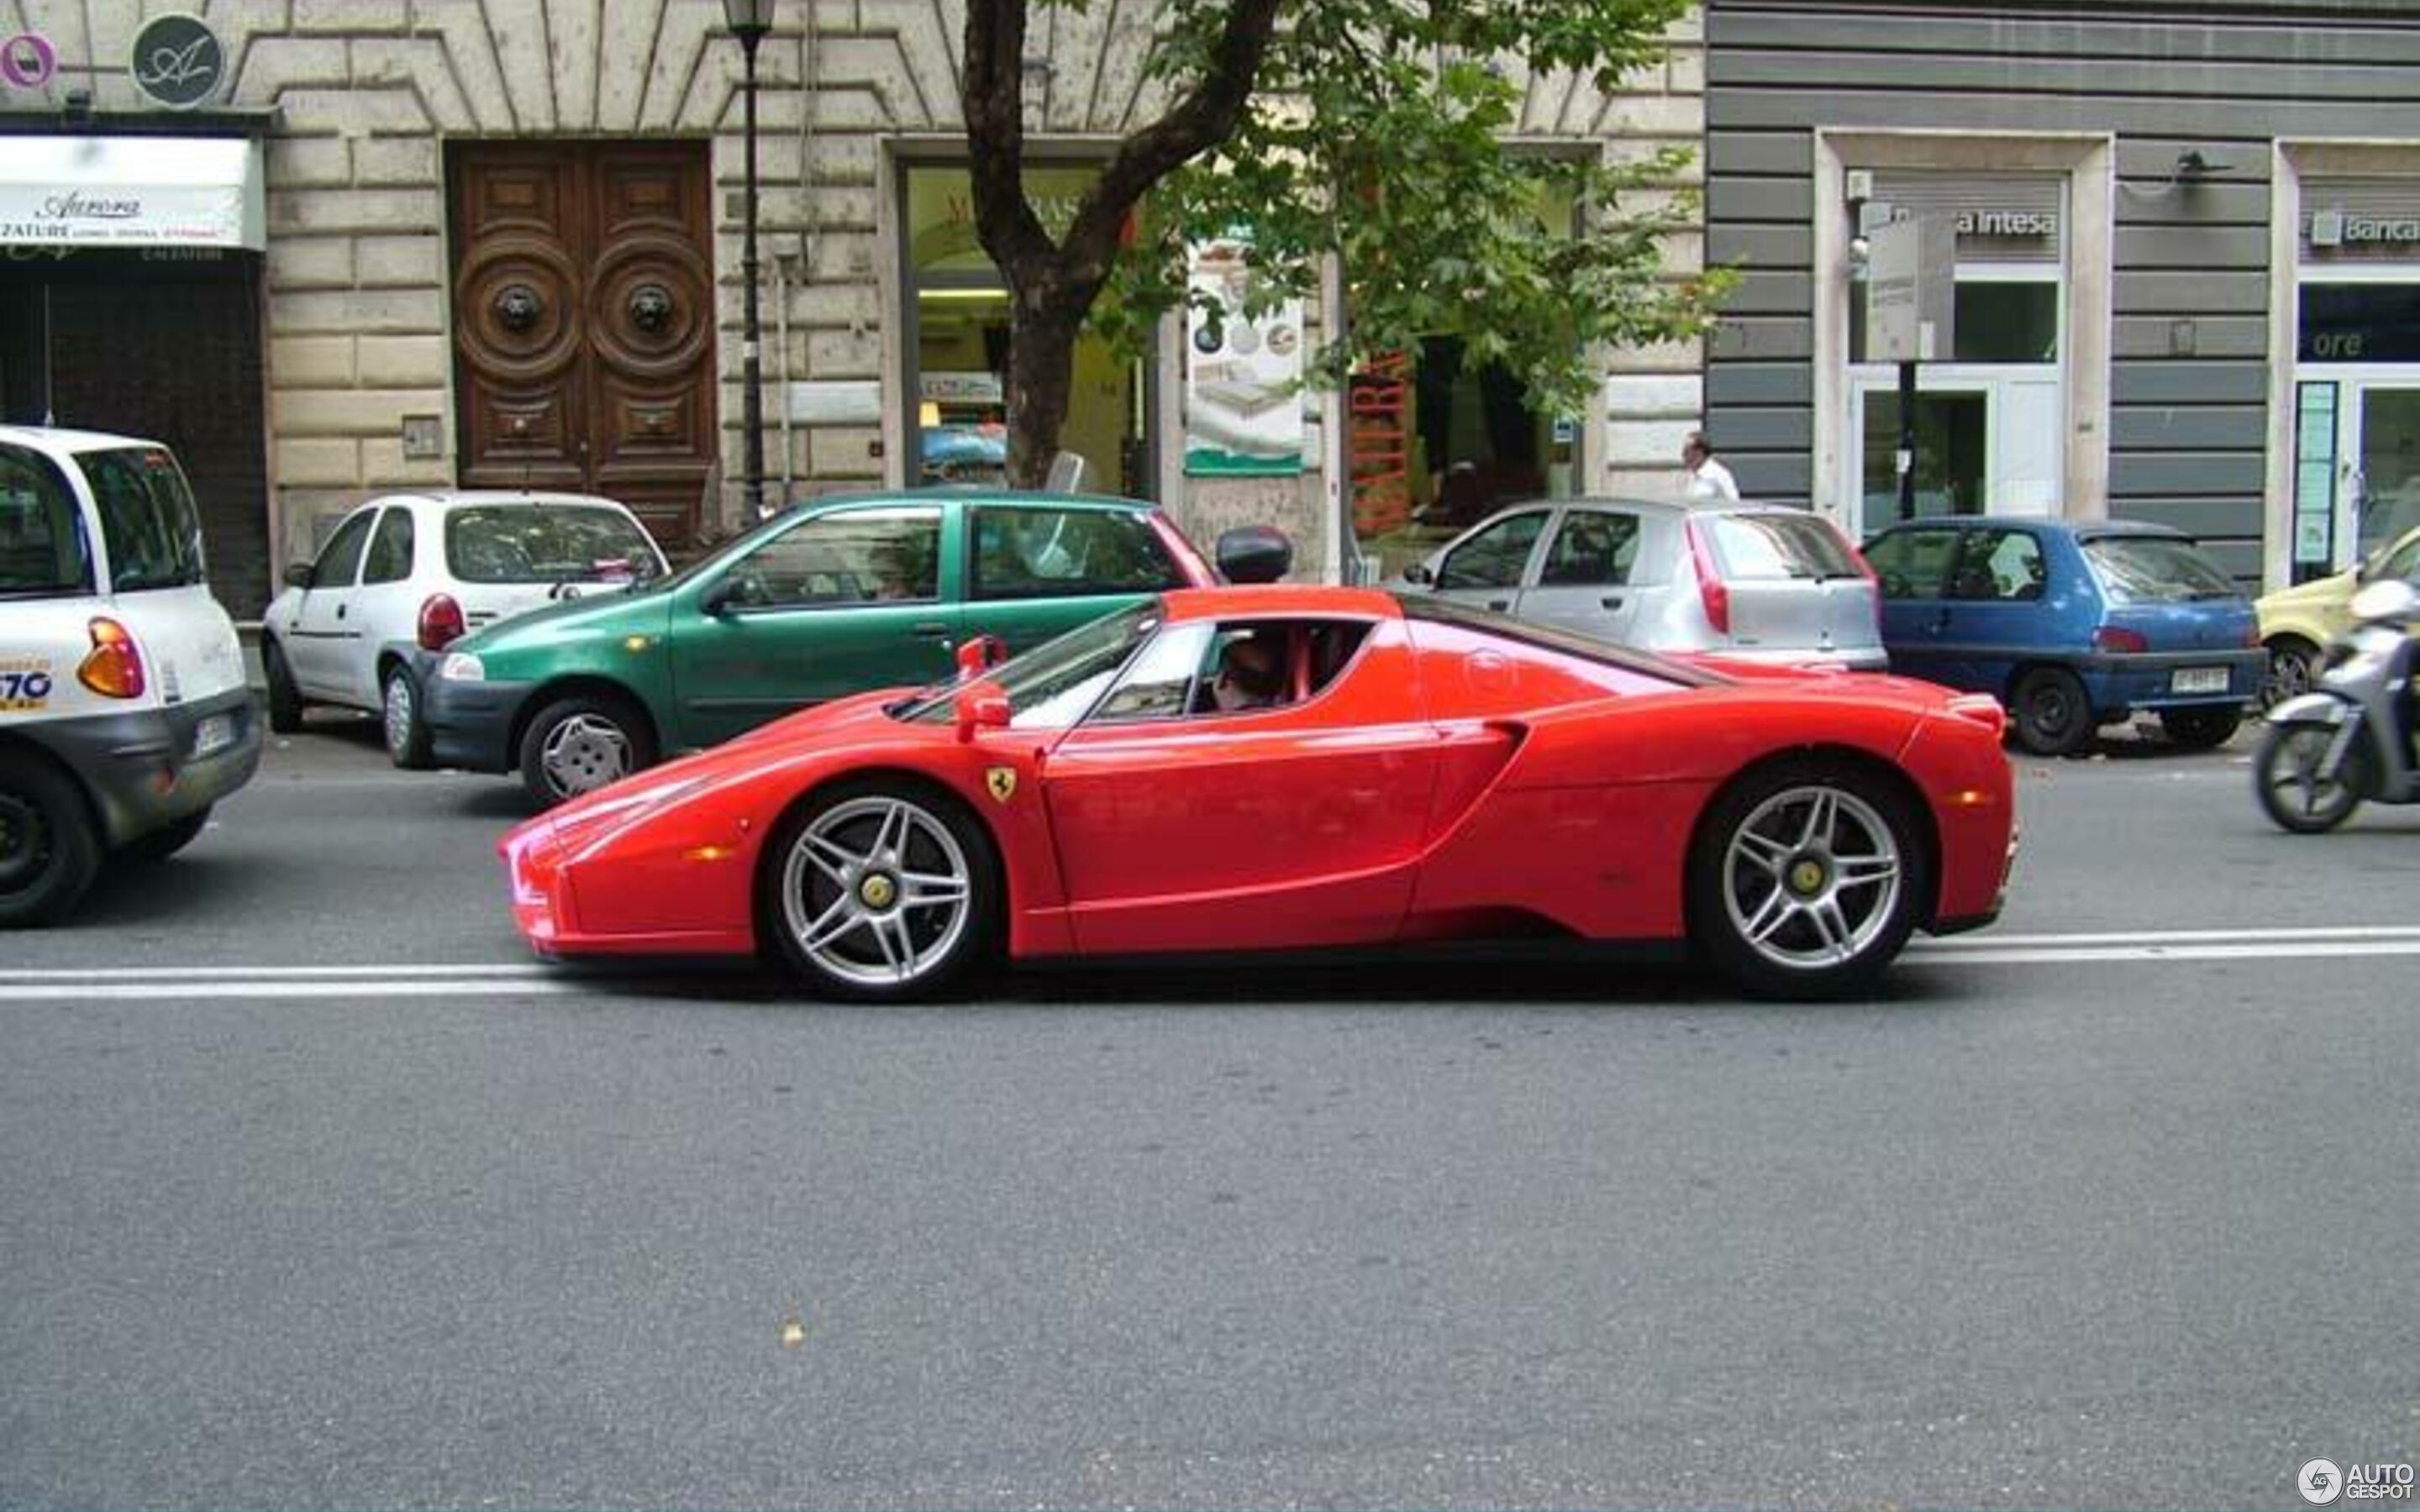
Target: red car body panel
column 1448, row 783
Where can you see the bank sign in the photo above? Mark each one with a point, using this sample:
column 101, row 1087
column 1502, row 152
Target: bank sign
column 2339, row 228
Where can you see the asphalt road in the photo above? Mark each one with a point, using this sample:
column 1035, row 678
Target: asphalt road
column 2111, row 1205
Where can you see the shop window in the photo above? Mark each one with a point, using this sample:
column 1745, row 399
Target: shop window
column 958, row 363
column 1952, row 443
column 2358, row 323
column 1997, row 320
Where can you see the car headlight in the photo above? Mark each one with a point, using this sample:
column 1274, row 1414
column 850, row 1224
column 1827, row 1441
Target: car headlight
column 461, row 667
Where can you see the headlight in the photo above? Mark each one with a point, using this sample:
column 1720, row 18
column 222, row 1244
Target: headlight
column 461, row 667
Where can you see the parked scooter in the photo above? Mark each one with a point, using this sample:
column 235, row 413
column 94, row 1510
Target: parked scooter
column 2350, row 739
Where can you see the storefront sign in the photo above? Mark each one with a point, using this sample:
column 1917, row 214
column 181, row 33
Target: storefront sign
column 2335, row 229
column 2359, row 322
column 2012, row 224
column 1912, row 292
column 1243, row 411
column 178, row 61
column 128, row 191
column 28, row 60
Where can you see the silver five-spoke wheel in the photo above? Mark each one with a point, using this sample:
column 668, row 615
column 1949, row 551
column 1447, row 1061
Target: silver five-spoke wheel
column 876, row 893
column 1811, row 877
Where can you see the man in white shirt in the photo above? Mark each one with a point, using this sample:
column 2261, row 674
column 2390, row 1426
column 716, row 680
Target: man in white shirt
column 1708, row 478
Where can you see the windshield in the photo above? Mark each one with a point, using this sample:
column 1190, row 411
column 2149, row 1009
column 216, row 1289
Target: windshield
column 149, row 524
column 1054, row 684
column 2154, row 569
column 534, row 543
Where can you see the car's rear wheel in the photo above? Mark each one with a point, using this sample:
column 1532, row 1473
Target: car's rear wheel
column 2294, row 670
column 406, row 734
column 49, row 850
column 2052, row 715
column 1806, row 879
column 882, row 891
column 160, row 844
column 2299, row 790
column 285, row 702
column 2200, row 729
column 578, row 744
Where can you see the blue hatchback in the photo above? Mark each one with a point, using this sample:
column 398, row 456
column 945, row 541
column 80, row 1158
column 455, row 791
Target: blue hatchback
column 2072, row 626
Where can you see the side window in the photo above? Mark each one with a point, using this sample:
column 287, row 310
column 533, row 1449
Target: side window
column 1590, row 549
column 1914, row 563
column 1023, row 552
column 858, row 556
column 1494, row 557
column 1161, row 683
column 390, row 558
column 43, row 552
column 2403, row 561
column 2005, row 564
column 149, row 523
column 342, row 555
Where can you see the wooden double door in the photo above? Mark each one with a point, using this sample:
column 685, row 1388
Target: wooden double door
column 584, row 323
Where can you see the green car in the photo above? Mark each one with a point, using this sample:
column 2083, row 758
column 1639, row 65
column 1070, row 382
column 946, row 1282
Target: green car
column 831, row 598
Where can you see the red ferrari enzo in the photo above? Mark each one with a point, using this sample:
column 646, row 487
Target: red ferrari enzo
column 1258, row 768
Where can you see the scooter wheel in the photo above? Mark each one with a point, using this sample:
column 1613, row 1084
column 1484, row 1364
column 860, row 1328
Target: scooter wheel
column 2296, row 788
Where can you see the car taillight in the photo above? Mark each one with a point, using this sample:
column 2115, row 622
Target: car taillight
column 114, row 667
column 1873, row 579
column 2113, row 638
column 441, row 622
column 1711, row 588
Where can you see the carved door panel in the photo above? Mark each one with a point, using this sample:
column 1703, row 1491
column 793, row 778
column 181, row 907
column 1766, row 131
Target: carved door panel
column 584, row 324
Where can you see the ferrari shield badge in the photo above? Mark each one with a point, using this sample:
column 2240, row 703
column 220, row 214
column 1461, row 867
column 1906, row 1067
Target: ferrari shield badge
column 1002, row 780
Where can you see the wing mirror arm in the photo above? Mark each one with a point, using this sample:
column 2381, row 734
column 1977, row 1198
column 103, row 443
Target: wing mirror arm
column 980, row 707
column 716, row 600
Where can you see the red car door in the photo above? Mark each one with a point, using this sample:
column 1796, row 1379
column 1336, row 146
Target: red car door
column 1299, row 824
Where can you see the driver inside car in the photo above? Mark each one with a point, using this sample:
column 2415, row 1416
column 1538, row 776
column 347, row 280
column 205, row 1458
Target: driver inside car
column 1250, row 676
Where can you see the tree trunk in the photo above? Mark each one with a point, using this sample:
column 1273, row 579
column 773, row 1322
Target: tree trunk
column 1041, row 376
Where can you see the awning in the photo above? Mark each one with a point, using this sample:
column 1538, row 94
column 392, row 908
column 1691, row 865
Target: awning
column 103, row 191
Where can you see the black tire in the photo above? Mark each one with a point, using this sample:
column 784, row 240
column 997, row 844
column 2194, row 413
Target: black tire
column 1761, row 878
column 2200, row 729
column 2050, row 712
column 165, row 841
column 801, row 886
column 49, row 850
column 579, row 744
column 2293, row 669
column 284, row 703
column 2293, row 792
column 400, row 725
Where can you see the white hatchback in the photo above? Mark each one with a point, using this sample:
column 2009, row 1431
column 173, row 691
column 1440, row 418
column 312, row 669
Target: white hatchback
column 413, row 572
column 124, row 713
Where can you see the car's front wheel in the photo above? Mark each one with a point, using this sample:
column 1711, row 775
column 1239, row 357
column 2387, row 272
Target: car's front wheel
column 1806, row 879
column 49, row 850
column 882, row 891
column 2200, row 729
column 405, row 732
column 2052, row 716
column 578, row 744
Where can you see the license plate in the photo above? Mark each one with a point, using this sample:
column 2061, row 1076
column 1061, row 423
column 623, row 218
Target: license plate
column 214, row 733
column 2198, row 680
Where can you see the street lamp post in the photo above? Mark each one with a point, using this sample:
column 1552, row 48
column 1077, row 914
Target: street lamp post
column 749, row 21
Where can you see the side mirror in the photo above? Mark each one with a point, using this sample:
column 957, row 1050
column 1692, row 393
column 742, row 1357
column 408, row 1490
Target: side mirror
column 1418, row 573
column 978, row 655
column 982, row 706
column 1254, row 554
column 298, row 574
column 716, row 600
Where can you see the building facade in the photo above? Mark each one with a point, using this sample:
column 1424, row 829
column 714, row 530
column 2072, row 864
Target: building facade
column 2187, row 272
column 498, row 242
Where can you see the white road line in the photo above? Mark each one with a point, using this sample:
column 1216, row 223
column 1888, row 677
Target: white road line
column 405, row 973
column 1988, row 940
column 2274, row 951
column 280, row 987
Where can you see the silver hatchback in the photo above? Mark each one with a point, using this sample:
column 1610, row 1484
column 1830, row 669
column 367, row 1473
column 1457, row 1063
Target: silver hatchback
column 1764, row 582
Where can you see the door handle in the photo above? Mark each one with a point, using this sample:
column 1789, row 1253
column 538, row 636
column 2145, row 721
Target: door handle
column 930, row 628
column 1615, row 602
column 340, row 611
column 1499, row 605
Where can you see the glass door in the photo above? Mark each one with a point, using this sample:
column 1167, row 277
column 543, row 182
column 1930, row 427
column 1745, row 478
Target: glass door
column 1954, row 452
column 2381, row 448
